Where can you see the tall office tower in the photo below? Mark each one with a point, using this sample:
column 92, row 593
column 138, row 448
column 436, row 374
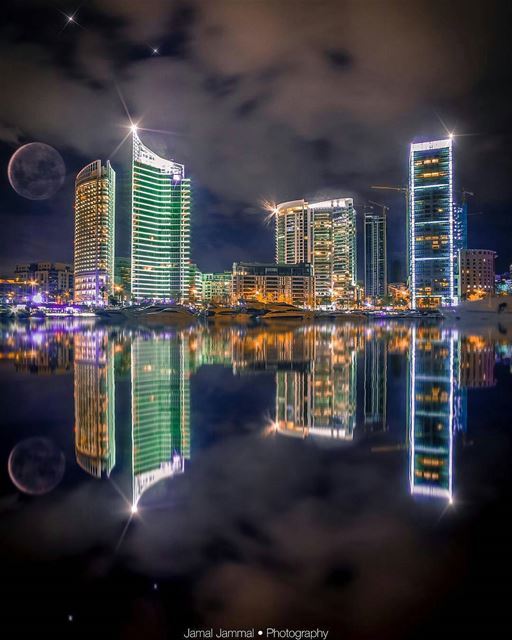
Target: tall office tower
column 375, row 382
column 95, row 201
column 434, row 410
column 95, row 445
column 432, row 257
column 160, row 410
column 160, row 227
column 324, row 235
column 375, row 255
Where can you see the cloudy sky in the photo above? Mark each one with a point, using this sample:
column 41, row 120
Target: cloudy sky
column 274, row 99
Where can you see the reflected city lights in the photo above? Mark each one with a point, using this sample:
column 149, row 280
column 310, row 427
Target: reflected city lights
column 331, row 384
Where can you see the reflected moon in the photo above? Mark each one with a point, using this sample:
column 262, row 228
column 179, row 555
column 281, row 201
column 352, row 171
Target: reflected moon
column 36, row 466
column 36, row 171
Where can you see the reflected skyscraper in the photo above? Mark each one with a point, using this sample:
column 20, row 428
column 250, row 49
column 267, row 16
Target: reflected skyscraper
column 477, row 360
column 375, row 382
column 160, row 410
column 433, row 412
column 318, row 397
column 94, row 394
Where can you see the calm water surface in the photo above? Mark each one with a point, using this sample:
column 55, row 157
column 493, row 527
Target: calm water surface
column 351, row 477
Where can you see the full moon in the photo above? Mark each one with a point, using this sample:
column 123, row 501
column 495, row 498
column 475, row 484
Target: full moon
column 36, row 171
column 36, row 466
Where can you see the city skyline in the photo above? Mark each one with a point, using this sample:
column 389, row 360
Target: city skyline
column 321, row 235
column 255, row 318
column 339, row 143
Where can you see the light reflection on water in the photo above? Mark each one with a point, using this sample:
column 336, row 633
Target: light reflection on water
column 331, row 384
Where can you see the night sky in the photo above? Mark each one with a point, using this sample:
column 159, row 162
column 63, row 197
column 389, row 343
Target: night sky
column 260, row 99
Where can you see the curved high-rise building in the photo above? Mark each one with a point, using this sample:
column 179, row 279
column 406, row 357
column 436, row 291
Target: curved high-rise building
column 160, row 227
column 95, row 188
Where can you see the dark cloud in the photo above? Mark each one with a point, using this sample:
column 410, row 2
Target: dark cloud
column 250, row 88
column 338, row 58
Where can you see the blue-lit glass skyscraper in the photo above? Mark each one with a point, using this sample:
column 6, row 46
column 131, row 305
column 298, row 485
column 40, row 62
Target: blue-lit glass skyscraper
column 432, row 250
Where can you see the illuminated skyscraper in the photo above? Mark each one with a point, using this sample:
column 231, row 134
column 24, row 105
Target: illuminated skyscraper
column 160, row 410
column 344, row 254
column 375, row 255
column 95, row 445
column 95, row 188
column 324, row 235
column 432, row 251
column 160, row 226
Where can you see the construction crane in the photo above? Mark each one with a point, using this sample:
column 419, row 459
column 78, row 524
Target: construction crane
column 382, row 206
column 404, row 190
column 466, row 193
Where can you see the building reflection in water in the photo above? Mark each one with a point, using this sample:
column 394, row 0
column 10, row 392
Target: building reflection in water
column 160, row 389
column 160, row 406
column 316, row 395
column 431, row 398
column 37, row 351
column 442, row 366
column 94, row 391
column 375, row 381
column 478, row 356
column 316, row 378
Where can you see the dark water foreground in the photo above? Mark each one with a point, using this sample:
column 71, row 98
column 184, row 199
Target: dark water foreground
column 354, row 478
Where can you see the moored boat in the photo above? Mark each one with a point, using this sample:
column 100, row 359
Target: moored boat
column 283, row 311
column 160, row 314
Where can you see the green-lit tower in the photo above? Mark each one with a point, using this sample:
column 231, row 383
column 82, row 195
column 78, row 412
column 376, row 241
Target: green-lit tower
column 160, row 227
